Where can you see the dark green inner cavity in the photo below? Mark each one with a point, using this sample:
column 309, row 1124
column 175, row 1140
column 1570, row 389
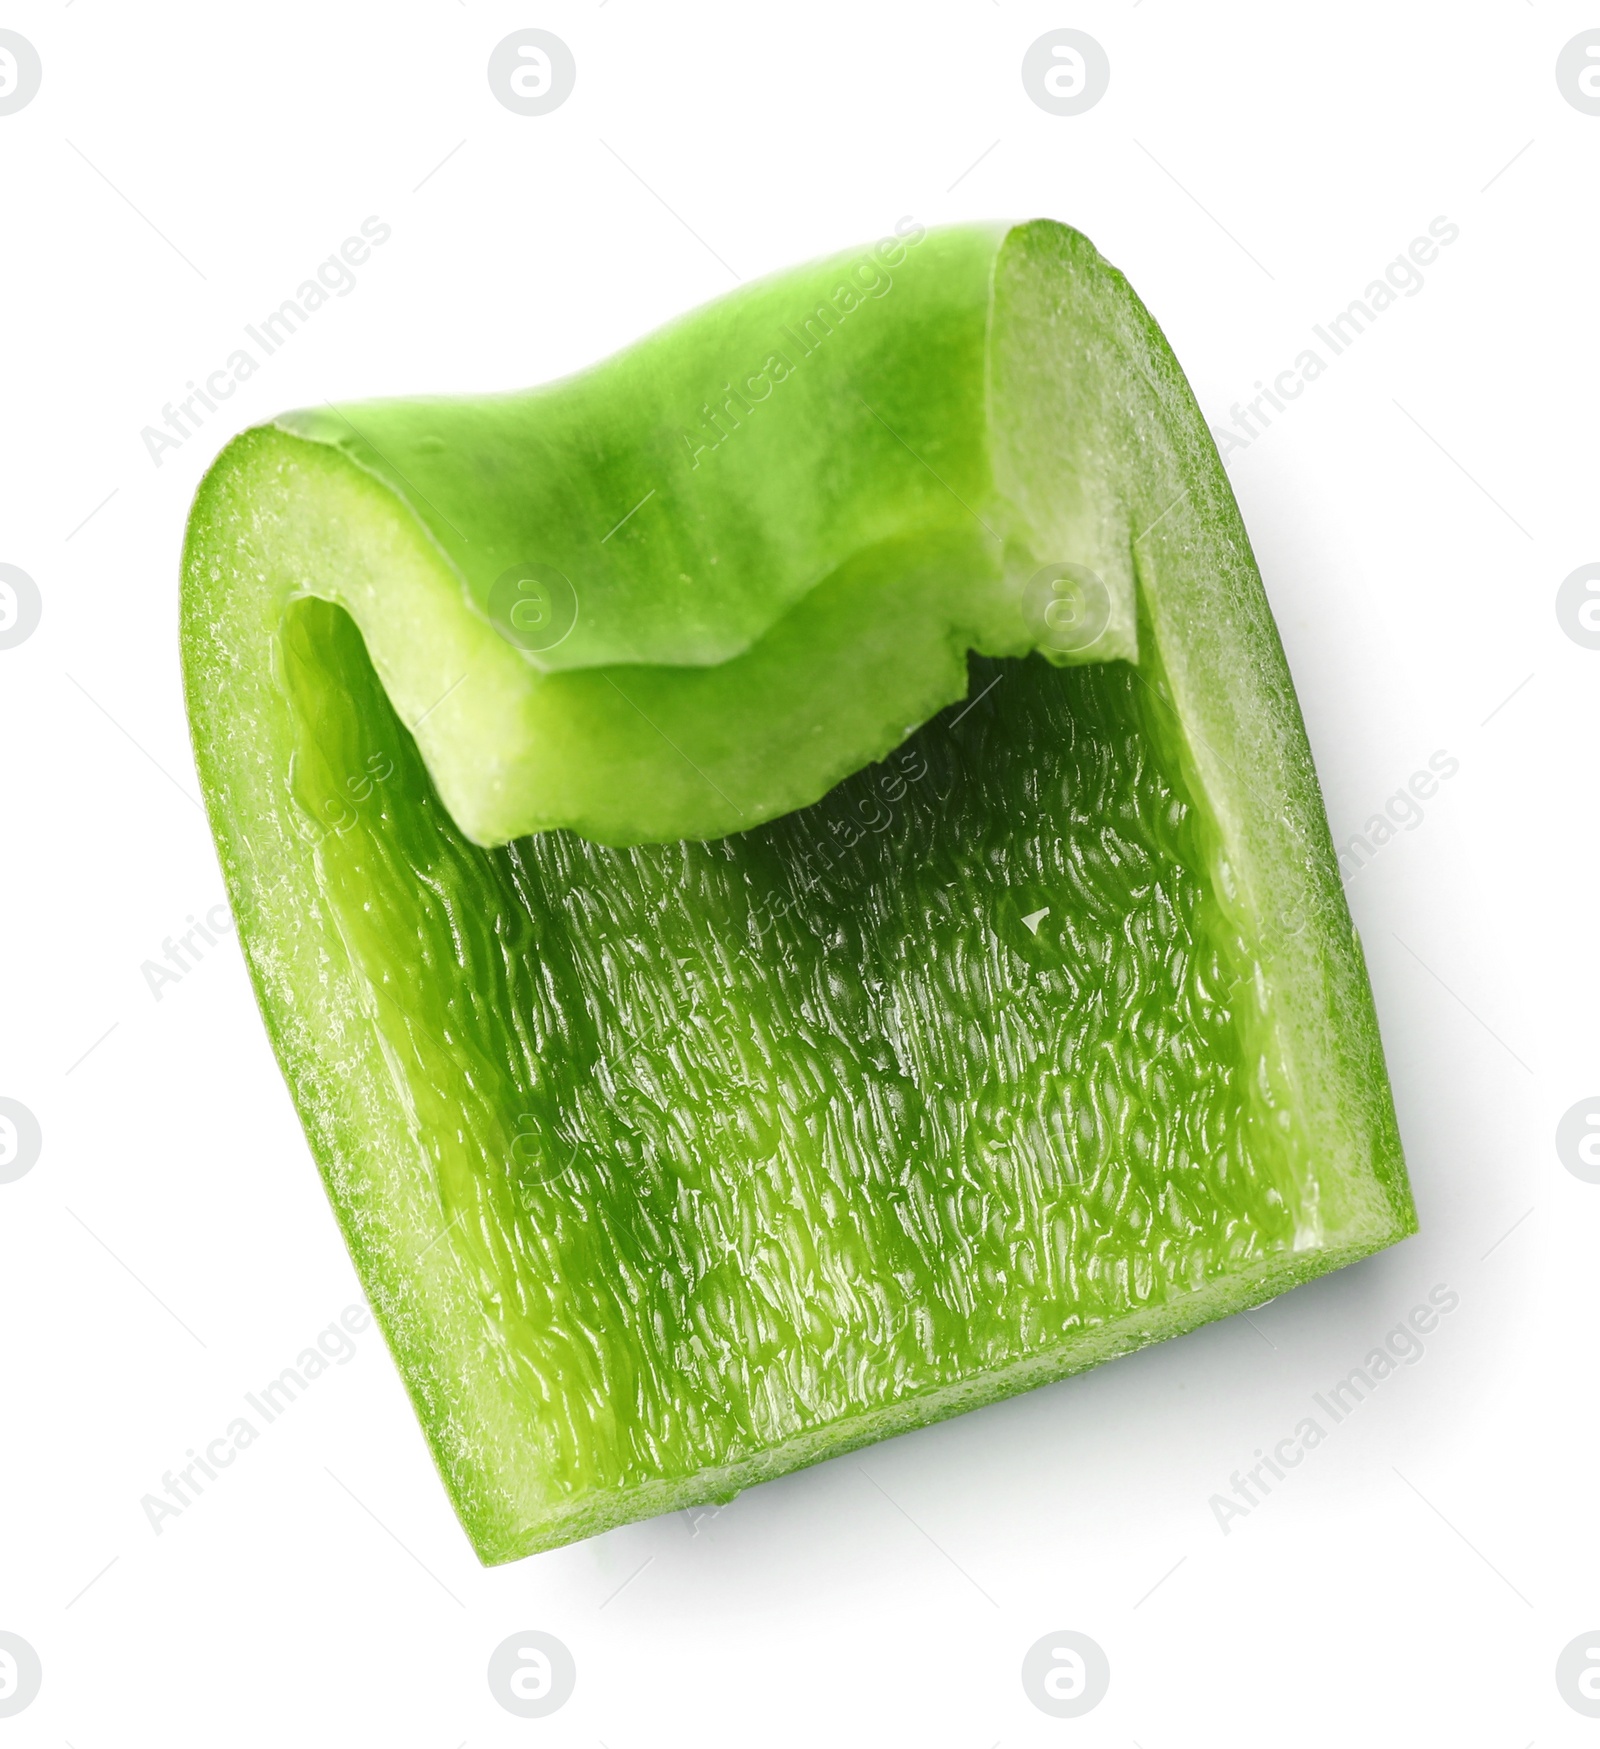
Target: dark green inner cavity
column 756, row 1135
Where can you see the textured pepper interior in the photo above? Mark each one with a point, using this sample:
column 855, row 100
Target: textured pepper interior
column 745, row 1138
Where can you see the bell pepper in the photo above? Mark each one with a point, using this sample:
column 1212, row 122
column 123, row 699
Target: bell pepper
column 784, row 875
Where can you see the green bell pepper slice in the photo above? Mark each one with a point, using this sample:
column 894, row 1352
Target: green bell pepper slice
column 784, row 875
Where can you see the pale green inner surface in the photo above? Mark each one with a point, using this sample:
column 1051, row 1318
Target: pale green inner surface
column 746, row 1139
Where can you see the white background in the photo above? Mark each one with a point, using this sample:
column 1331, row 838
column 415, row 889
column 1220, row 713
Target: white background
column 1252, row 169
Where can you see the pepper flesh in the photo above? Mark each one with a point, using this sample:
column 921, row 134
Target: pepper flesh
column 763, row 1103
column 764, row 593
